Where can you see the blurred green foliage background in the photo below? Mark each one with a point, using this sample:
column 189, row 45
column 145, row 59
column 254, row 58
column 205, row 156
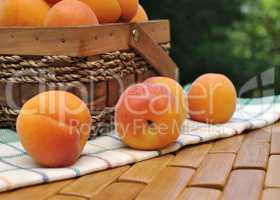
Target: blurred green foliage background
column 239, row 38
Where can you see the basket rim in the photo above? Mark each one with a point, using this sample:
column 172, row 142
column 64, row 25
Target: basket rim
column 24, row 28
column 77, row 41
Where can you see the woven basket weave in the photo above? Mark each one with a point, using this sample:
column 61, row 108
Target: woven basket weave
column 104, row 74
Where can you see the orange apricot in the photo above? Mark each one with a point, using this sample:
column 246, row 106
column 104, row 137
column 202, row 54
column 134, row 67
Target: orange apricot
column 54, row 127
column 70, row 13
column 146, row 117
column 107, row 11
column 175, row 88
column 129, row 9
column 212, row 99
column 23, row 12
column 141, row 15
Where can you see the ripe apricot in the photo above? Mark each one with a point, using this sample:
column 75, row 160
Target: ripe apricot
column 146, row 117
column 212, row 99
column 23, row 12
column 54, row 127
column 175, row 88
column 107, row 11
column 141, row 15
column 70, row 13
column 129, row 9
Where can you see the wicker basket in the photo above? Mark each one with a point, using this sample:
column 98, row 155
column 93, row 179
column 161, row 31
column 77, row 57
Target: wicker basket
column 98, row 63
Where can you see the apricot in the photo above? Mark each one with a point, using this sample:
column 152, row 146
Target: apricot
column 175, row 88
column 212, row 99
column 129, row 9
column 107, row 11
column 141, row 15
column 146, row 117
column 54, row 127
column 23, row 12
column 70, row 13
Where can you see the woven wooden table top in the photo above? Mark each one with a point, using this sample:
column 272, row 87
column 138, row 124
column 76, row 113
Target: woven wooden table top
column 244, row 167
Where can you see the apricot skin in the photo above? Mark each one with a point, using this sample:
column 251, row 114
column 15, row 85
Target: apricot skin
column 141, row 15
column 107, row 11
column 212, row 99
column 129, row 9
column 146, row 117
column 23, row 12
column 175, row 88
column 54, row 127
column 70, row 13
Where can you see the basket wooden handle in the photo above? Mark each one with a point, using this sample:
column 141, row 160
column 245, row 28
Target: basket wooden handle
column 142, row 43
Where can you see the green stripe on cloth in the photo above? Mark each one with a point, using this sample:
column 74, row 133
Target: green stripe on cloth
column 8, row 136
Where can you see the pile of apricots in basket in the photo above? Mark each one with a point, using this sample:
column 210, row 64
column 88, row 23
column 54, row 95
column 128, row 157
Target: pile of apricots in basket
column 61, row 13
column 54, row 126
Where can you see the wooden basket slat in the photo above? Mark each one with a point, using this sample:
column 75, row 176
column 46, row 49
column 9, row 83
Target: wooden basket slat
column 76, row 41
